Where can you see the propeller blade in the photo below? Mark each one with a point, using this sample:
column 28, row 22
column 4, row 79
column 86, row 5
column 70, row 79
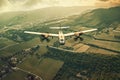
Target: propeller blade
column 81, row 38
column 52, row 37
column 48, row 40
column 76, row 38
column 43, row 38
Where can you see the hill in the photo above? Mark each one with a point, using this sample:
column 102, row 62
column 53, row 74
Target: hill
column 39, row 15
column 40, row 20
column 99, row 18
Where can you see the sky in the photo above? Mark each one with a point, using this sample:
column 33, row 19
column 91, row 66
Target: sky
column 16, row 5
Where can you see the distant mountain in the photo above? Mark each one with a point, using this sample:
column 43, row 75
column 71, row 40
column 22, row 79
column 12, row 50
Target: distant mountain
column 40, row 15
column 100, row 18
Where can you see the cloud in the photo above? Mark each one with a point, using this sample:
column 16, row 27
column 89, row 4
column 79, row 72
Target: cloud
column 4, row 3
column 46, row 3
column 32, row 2
column 17, row 5
column 103, row 0
column 36, row 4
column 108, row 3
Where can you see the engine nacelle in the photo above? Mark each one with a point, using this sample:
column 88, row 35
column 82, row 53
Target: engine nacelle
column 46, row 35
column 78, row 34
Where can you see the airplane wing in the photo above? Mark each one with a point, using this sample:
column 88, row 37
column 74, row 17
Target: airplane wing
column 38, row 33
column 80, row 32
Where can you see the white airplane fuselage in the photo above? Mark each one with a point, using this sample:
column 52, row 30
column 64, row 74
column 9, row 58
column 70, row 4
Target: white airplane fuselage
column 61, row 38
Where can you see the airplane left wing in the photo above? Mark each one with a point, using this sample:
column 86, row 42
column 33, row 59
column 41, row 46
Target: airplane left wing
column 80, row 32
column 38, row 33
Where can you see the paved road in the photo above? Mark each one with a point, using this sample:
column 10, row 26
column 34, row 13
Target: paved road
column 16, row 68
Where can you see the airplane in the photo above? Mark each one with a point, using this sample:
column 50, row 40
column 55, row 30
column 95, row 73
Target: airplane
column 61, row 36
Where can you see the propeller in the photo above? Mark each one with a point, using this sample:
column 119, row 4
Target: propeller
column 78, row 37
column 43, row 38
column 81, row 38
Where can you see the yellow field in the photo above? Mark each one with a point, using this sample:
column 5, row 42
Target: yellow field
column 101, row 51
column 107, row 44
column 84, row 48
column 79, row 47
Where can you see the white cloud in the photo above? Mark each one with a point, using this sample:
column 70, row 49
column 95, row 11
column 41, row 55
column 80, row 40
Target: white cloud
column 108, row 3
column 16, row 5
column 49, row 3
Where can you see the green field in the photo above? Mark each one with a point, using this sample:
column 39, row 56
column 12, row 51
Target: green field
column 46, row 68
column 18, row 47
column 16, row 75
column 5, row 42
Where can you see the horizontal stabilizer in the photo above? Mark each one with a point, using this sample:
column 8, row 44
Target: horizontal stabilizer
column 64, row 27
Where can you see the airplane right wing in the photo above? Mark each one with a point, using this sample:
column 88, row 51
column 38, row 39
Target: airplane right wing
column 80, row 32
